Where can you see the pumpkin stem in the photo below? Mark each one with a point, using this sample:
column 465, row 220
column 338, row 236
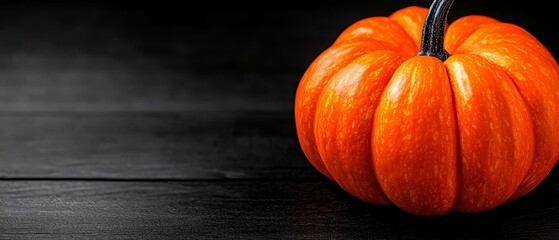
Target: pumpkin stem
column 432, row 39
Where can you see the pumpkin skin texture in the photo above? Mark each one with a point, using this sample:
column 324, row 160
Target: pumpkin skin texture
column 428, row 135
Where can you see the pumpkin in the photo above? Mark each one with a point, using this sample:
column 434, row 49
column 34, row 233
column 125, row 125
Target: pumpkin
column 407, row 110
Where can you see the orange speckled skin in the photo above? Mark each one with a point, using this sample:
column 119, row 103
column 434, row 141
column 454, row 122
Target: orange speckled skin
column 429, row 136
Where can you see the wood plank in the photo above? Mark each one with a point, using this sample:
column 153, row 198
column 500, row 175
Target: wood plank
column 248, row 210
column 188, row 145
column 101, row 84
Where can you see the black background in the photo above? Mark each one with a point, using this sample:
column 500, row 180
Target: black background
column 175, row 120
column 255, row 41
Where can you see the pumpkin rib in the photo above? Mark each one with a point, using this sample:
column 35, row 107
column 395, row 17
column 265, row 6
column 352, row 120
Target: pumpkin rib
column 414, row 138
column 343, row 122
column 527, row 106
column 489, row 112
column 499, row 33
column 411, row 19
column 462, row 28
column 311, row 85
column 381, row 29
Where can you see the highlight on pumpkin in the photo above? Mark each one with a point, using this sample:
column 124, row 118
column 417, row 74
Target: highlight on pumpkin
column 431, row 117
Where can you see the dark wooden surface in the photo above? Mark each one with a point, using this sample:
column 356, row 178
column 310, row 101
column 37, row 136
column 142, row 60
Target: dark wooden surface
column 167, row 121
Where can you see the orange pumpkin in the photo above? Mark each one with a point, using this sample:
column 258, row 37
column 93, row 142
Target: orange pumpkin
column 410, row 111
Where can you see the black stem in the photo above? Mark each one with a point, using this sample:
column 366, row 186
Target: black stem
column 432, row 40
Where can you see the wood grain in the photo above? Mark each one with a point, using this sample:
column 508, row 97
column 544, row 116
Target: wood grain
column 247, row 210
column 189, row 145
